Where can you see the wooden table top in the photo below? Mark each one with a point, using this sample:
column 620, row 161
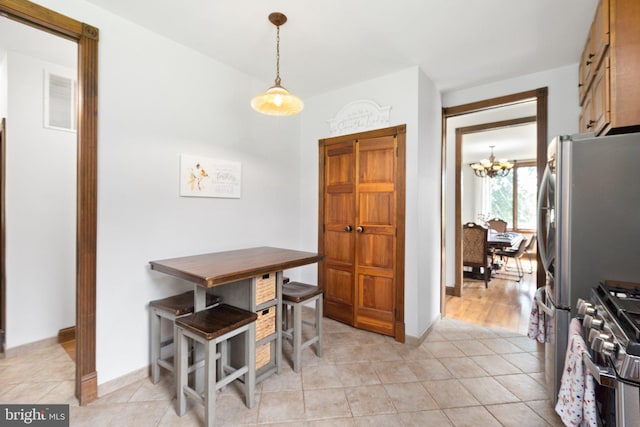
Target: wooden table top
column 504, row 240
column 217, row 268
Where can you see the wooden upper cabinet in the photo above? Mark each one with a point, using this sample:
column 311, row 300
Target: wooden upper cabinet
column 586, row 114
column 594, row 48
column 601, row 96
column 609, row 93
column 599, row 34
column 585, row 69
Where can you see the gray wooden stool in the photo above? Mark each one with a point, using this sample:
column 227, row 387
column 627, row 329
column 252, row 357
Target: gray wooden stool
column 211, row 327
column 294, row 296
column 170, row 309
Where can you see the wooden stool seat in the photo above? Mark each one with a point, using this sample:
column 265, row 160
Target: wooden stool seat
column 181, row 304
column 212, row 323
column 299, row 292
column 294, row 296
column 169, row 308
column 214, row 327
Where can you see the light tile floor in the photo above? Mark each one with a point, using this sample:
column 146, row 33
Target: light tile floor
column 462, row 375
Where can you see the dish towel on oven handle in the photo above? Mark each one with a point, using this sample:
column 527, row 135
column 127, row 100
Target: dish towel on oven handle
column 537, row 329
column 576, row 398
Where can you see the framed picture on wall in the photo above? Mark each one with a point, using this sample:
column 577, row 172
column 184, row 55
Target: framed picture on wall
column 205, row 177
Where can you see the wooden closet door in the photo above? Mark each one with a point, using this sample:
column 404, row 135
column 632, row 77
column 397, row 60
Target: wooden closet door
column 361, row 229
column 338, row 266
column 376, row 234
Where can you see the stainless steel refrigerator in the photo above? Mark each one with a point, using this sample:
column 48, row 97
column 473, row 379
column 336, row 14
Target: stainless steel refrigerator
column 588, row 228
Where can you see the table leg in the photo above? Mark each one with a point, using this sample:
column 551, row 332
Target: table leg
column 279, row 275
column 200, row 303
column 200, row 293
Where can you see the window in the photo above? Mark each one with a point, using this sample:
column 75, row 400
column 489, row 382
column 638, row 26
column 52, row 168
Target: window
column 514, row 197
column 59, row 102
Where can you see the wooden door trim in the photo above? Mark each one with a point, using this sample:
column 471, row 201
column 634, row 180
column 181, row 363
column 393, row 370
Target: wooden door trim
column 541, row 97
column 400, row 133
column 86, row 36
column 3, row 252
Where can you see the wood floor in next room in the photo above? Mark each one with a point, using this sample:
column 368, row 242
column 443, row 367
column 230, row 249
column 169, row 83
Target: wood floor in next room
column 504, row 304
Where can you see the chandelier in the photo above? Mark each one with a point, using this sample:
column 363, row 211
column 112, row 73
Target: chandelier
column 491, row 168
column 277, row 101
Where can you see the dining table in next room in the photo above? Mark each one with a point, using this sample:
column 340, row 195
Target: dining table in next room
column 503, row 240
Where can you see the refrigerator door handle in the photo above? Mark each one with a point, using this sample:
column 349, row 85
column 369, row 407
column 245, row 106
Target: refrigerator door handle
column 549, row 311
column 543, row 213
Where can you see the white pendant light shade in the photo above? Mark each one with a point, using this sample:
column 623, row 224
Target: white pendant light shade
column 277, row 101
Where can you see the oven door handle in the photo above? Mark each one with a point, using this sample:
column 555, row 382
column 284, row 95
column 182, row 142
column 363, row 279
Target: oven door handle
column 604, row 375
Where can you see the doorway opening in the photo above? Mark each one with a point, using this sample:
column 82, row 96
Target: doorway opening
column 86, row 37
column 39, row 185
column 471, row 128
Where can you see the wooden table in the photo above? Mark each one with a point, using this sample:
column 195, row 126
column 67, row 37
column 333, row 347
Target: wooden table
column 235, row 275
column 504, row 240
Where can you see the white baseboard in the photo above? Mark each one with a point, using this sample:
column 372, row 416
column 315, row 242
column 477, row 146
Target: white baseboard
column 123, row 381
column 416, row 341
column 27, row 348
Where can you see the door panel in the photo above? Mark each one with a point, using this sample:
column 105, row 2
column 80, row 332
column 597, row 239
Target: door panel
column 339, row 241
column 376, row 208
column 339, row 285
column 376, row 293
column 341, row 207
column 339, row 247
column 375, row 242
column 375, row 250
column 375, row 311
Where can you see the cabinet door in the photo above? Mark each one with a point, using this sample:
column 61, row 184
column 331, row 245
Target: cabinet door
column 376, row 234
column 600, row 33
column 601, row 97
column 337, row 267
column 584, row 70
column 586, row 114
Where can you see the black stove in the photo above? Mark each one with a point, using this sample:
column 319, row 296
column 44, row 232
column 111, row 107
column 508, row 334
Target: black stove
column 612, row 326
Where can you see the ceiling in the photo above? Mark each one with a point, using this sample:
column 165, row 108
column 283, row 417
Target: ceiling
column 330, row 44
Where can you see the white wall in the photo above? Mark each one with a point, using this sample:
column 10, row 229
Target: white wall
column 414, row 102
column 40, row 208
column 3, row 83
column 471, row 196
column 563, row 95
column 158, row 99
column 563, row 111
column 427, row 298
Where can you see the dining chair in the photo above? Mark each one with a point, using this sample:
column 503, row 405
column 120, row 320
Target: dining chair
column 531, row 251
column 498, row 225
column 475, row 249
column 516, row 255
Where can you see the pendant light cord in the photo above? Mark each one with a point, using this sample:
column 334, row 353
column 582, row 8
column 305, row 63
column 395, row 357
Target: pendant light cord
column 278, row 56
